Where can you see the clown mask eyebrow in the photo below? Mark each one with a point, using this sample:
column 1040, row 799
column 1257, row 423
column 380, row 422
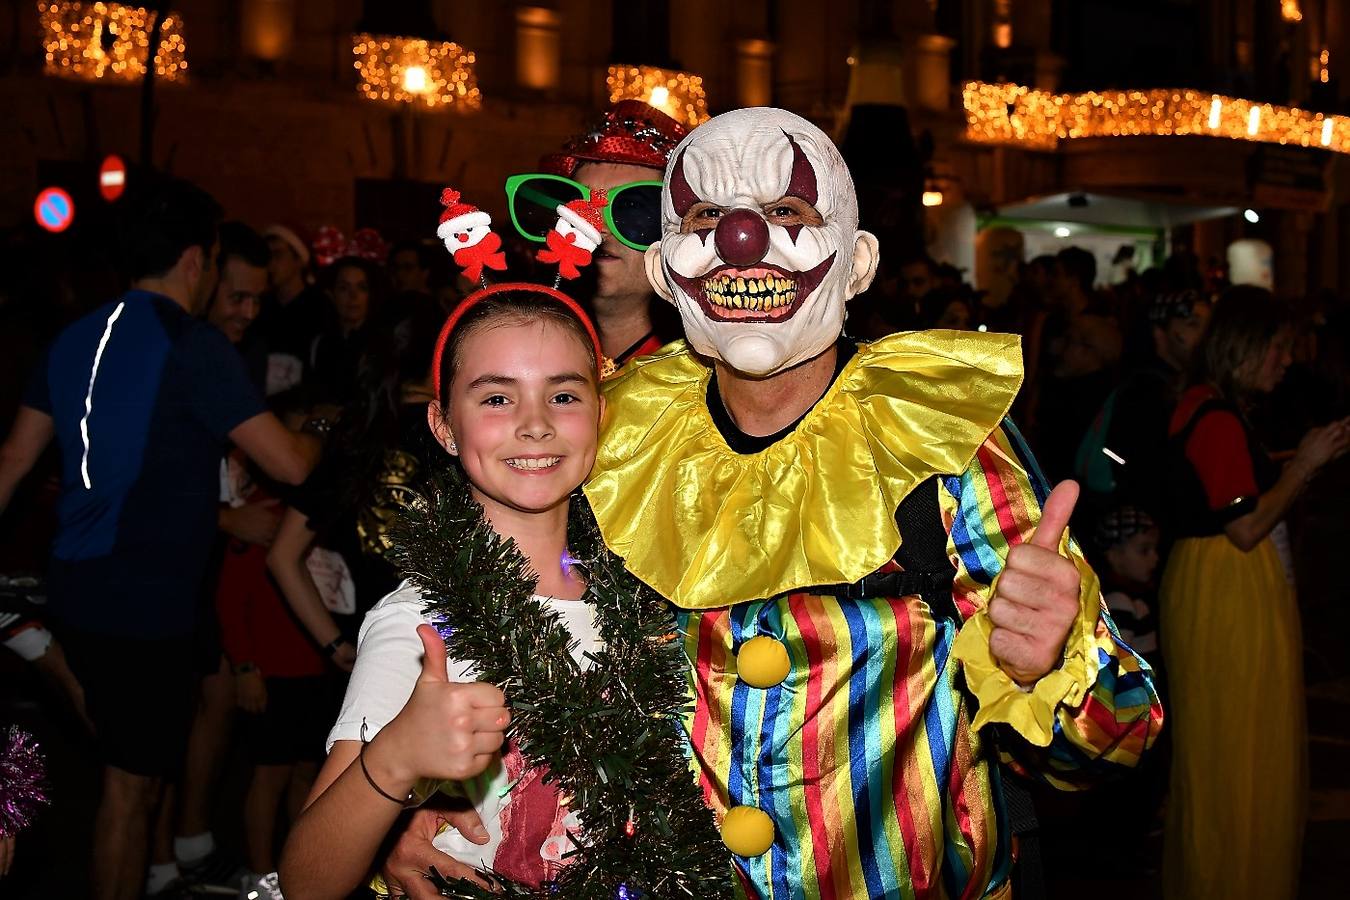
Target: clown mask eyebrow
column 793, row 210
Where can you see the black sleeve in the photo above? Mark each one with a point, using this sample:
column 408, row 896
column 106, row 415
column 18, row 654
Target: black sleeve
column 223, row 396
column 37, row 392
column 318, row 496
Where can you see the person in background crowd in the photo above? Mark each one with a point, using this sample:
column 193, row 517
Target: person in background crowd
column 1082, row 378
column 1127, row 543
column 410, row 267
column 358, row 293
column 184, row 842
column 330, row 555
column 918, row 276
column 1061, row 286
column 1140, row 409
column 282, row 685
column 947, row 277
column 895, row 300
column 238, row 298
column 947, row 309
column 632, row 143
column 294, row 312
column 141, row 397
column 1238, row 788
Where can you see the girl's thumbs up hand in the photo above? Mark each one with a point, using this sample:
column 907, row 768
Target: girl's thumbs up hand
column 447, row 730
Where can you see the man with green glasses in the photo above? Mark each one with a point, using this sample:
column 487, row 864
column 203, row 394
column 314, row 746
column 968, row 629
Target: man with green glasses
column 625, row 155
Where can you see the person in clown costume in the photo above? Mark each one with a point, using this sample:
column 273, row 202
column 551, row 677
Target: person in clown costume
column 878, row 596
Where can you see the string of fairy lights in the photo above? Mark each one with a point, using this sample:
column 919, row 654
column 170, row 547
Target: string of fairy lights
column 434, row 74
column 93, row 41
column 100, row 40
column 679, row 95
column 97, row 40
column 1016, row 114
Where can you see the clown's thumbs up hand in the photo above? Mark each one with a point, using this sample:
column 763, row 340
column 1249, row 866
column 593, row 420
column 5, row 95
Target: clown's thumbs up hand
column 446, row 730
column 1036, row 597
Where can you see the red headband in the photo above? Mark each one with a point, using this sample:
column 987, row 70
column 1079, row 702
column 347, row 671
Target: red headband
column 524, row 287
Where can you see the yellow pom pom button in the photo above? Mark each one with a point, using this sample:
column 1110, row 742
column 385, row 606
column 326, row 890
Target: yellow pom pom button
column 763, row 662
column 747, row 831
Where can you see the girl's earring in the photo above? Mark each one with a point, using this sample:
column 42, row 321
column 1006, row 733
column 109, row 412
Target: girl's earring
column 454, row 448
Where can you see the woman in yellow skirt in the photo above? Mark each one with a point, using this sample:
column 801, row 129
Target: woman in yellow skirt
column 1230, row 625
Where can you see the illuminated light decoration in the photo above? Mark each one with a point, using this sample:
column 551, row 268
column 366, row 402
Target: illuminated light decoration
column 1291, row 11
column 112, row 177
column 54, row 210
column 1016, row 114
column 679, row 95
column 92, row 41
column 1324, row 66
column 1251, row 215
column 1003, row 30
column 932, row 192
column 435, row 74
column 538, row 47
column 415, row 80
column 1062, row 231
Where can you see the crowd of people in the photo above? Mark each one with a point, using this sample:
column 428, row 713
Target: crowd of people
column 1193, row 414
column 225, row 549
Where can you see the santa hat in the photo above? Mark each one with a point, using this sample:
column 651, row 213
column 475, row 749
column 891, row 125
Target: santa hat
column 453, row 208
column 291, row 238
column 458, row 216
column 585, row 215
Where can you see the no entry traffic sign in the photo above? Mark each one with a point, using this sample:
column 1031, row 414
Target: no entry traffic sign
column 112, row 177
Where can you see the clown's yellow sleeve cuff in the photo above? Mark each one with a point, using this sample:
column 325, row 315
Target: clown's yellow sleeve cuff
column 1032, row 712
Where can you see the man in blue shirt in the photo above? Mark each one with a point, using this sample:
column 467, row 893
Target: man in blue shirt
column 141, row 396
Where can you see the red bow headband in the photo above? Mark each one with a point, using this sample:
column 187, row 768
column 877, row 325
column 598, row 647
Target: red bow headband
column 482, row 294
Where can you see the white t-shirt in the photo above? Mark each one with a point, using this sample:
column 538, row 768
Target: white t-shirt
column 388, row 663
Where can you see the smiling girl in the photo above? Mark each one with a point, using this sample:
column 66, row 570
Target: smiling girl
column 519, row 405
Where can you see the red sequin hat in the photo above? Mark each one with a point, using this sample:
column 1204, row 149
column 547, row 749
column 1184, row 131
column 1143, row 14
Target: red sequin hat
column 631, row 133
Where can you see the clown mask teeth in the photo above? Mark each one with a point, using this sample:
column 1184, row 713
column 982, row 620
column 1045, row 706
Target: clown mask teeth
column 761, row 294
column 764, row 294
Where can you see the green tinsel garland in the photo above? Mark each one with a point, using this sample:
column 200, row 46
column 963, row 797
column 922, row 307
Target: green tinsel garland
column 610, row 736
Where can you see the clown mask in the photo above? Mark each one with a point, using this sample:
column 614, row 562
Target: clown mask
column 760, row 245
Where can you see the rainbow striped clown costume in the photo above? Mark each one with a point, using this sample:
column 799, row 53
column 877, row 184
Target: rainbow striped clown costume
column 849, row 736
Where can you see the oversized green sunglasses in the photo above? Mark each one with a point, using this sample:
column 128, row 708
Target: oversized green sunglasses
column 633, row 214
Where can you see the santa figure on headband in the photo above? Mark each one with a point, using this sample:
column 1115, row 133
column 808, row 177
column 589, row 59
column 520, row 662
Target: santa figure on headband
column 577, row 234
column 468, row 235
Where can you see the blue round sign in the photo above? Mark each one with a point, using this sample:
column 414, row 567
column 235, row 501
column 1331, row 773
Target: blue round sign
column 54, row 210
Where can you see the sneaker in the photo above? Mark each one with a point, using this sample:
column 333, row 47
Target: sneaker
column 260, row 887
column 216, row 875
column 178, row 889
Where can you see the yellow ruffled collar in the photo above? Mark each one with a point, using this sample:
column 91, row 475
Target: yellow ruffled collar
column 709, row 527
